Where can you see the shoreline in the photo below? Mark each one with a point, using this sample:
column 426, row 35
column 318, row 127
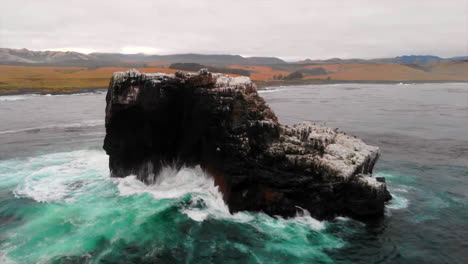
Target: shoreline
column 51, row 91
column 260, row 84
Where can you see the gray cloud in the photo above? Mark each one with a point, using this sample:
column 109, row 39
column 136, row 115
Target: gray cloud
column 288, row 29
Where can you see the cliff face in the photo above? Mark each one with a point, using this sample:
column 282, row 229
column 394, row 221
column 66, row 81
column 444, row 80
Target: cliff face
column 223, row 125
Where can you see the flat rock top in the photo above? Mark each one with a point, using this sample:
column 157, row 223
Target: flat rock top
column 217, row 79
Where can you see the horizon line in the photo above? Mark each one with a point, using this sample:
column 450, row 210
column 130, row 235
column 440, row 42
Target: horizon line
column 286, row 59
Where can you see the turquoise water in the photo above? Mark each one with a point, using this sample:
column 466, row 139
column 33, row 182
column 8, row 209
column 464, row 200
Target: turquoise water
column 64, row 206
column 59, row 205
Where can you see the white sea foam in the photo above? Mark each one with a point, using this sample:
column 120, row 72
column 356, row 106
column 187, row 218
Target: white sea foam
column 4, row 259
column 171, row 184
column 398, row 202
column 402, row 189
column 7, row 98
column 206, row 199
column 84, row 123
column 269, row 91
column 341, row 218
column 62, row 177
column 67, row 177
column 302, row 218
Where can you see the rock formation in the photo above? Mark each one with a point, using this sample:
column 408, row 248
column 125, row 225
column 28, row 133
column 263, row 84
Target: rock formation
column 222, row 124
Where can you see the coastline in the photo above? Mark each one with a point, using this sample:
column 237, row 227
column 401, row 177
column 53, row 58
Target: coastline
column 51, row 91
column 260, row 84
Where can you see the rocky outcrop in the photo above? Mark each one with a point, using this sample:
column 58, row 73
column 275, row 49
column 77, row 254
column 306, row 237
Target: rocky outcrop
column 222, row 124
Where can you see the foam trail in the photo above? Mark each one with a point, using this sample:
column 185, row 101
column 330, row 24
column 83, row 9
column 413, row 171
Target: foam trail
column 85, row 123
column 7, row 98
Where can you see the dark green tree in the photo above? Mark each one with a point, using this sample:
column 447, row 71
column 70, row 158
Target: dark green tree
column 294, row 75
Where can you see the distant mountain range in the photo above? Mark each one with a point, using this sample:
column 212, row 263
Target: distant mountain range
column 191, row 58
column 60, row 58
column 95, row 60
column 29, row 56
column 56, row 58
column 409, row 59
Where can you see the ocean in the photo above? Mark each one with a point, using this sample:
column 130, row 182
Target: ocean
column 59, row 205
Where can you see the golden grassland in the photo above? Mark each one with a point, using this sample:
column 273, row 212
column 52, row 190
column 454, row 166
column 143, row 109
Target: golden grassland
column 450, row 71
column 17, row 79
column 260, row 73
column 395, row 72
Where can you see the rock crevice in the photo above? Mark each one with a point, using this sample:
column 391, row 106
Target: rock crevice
column 222, row 124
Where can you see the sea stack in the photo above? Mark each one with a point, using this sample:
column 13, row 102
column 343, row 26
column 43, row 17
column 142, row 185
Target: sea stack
column 222, row 124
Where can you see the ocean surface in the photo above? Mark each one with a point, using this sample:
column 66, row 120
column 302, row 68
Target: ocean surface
column 59, row 205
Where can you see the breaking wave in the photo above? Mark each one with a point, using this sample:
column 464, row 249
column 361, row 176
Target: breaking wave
column 71, row 207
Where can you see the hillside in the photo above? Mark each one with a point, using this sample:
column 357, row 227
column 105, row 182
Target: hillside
column 191, row 58
column 407, row 59
column 447, row 71
column 25, row 71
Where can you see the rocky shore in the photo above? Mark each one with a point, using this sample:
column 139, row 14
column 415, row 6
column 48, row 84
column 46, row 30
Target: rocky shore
column 222, row 124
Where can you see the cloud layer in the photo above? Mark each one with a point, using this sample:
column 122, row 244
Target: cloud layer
column 291, row 29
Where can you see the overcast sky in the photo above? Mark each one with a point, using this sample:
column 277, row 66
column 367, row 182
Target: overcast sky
column 289, row 29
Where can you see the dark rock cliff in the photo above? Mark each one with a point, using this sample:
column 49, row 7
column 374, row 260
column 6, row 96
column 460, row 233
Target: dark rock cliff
column 223, row 125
